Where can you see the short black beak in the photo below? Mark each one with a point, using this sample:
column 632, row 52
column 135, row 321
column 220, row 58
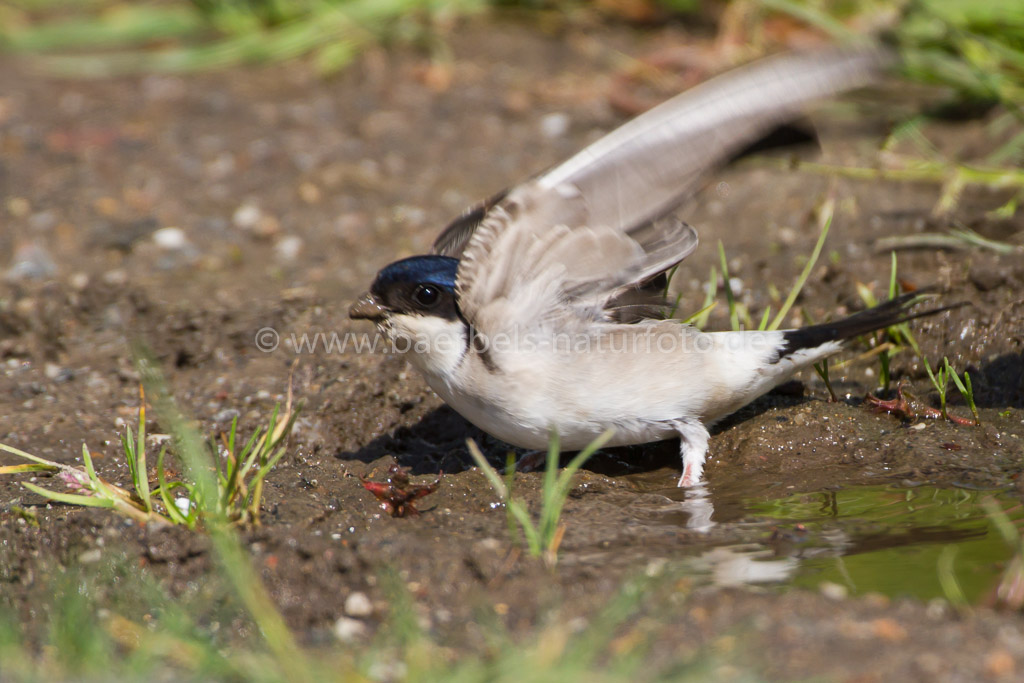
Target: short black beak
column 367, row 308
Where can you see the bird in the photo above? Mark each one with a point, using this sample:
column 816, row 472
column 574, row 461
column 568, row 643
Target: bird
column 540, row 309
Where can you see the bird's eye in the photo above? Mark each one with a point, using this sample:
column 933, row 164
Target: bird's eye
column 426, row 295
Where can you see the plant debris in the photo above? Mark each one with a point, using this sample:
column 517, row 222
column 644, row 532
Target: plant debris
column 905, row 409
column 399, row 495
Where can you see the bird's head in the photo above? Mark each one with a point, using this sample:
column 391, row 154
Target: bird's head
column 413, row 301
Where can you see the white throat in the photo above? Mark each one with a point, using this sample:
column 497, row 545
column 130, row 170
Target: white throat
column 434, row 345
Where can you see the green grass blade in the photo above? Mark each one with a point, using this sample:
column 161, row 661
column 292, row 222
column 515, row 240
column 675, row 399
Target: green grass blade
column 964, row 387
column 28, row 467
column 556, row 491
column 700, row 319
column 806, row 13
column 969, row 397
column 128, row 446
column 892, row 277
column 173, row 512
column 510, row 477
column 126, row 25
column 28, row 456
column 1002, row 523
column 96, row 484
column 70, row 498
column 533, row 538
column 550, row 490
column 141, row 469
column 515, row 508
column 263, row 471
column 734, row 319
column 827, row 213
column 694, row 318
column 947, row 577
column 485, row 467
column 231, row 557
column 190, row 447
column 587, row 452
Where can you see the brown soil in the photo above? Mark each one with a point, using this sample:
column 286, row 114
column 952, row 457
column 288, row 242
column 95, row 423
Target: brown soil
column 366, row 167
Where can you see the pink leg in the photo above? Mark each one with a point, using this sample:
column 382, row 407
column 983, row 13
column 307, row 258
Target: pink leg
column 693, row 447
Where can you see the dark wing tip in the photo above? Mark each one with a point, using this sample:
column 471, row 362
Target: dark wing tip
column 454, row 238
column 886, row 314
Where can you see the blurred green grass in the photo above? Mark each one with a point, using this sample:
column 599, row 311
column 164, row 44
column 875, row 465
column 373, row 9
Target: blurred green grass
column 100, row 38
column 112, row 621
column 974, row 47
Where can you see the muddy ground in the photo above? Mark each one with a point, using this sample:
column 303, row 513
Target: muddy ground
column 291, row 191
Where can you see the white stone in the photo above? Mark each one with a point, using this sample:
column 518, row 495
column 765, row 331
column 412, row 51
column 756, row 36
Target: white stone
column 171, row 239
column 288, row 247
column 347, row 629
column 247, row 215
column 358, row 605
column 555, row 125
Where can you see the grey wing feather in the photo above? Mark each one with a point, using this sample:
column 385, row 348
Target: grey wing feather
column 644, row 169
column 572, row 240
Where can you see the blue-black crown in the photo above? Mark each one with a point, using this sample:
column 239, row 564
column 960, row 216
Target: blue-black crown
column 429, row 269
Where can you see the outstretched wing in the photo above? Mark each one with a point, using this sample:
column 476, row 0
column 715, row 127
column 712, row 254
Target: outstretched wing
column 569, row 241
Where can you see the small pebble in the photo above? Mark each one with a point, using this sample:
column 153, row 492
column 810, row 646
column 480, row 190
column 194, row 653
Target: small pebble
column 309, row 193
column 555, row 125
column 57, row 373
column 833, row 591
column 889, row 629
column 288, row 247
column 999, row 664
column 116, row 277
column 358, row 605
column 175, row 248
column 91, row 556
column 937, row 609
column 31, row 262
column 19, row 207
column 79, row 281
column 348, row 630
column 183, row 504
column 171, row 239
column 226, row 415
column 247, row 216
column 656, row 567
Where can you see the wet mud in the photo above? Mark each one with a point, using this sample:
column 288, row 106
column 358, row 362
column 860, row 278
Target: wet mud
column 288, row 192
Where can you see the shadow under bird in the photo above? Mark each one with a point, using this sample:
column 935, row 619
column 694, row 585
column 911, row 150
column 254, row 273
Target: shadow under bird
column 536, row 310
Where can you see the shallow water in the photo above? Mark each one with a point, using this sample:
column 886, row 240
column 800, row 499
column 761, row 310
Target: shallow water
column 882, row 539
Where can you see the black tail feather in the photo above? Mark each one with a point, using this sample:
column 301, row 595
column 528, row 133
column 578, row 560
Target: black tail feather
column 887, row 314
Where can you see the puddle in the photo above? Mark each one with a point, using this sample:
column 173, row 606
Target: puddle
column 869, row 539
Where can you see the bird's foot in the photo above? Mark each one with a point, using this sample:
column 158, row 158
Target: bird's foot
column 691, row 476
column 693, row 446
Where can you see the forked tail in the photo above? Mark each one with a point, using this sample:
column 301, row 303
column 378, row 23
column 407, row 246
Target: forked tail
column 887, row 314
